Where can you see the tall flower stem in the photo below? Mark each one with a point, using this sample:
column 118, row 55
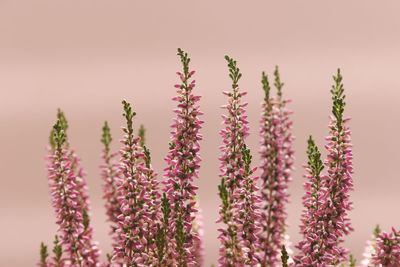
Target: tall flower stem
column 65, row 198
column 236, row 188
column 339, row 179
column 134, row 200
column 183, row 163
column 276, row 165
column 312, row 247
column 387, row 249
column 109, row 174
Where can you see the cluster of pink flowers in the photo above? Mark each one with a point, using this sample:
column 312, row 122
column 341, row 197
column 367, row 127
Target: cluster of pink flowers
column 325, row 219
column 276, row 166
column 387, row 249
column 183, row 163
column 109, row 173
column 70, row 201
column 240, row 208
column 160, row 224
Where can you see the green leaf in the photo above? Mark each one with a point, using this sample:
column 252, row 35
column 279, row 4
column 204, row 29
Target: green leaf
column 265, row 85
column 284, row 257
column 43, row 254
column 338, row 99
column 57, row 250
column 106, row 136
column 278, row 83
column 234, row 71
column 142, row 135
column 314, row 158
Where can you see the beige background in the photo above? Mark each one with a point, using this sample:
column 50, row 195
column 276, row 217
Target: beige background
column 86, row 56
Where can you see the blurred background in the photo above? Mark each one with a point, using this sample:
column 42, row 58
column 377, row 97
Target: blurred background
column 86, row 56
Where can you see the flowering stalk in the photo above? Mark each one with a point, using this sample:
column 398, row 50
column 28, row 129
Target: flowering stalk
column 276, row 164
column 325, row 220
column 133, row 222
column 247, row 204
column 339, row 181
column 387, row 249
column 91, row 248
column 72, row 216
column 154, row 199
column 234, row 250
column 109, row 169
column 183, row 163
column 313, row 246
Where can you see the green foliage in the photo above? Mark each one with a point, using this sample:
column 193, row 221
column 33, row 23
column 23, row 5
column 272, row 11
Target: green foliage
column 161, row 235
column 43, row 254
column 246, row 155
column 377, row 231
column 265, row 85
column 180, row 238
column 165, row 208
column 278, row 84
column 106, row 136
column 338, row 99
column 314, row 158
column 234, row 71
column 223, row 193
column 142, row 135
column 147, row 156
column 57, row 250
column 128, row 114
column 352, row 261
column 86, row 219
column 63, row 124
column 284, row 257
column 59, row 136
column 185, row 62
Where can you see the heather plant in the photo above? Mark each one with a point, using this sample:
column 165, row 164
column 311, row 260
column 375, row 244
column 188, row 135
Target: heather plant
column 183, row 163
column 70, row 201
column 238, row 191
column 325, row 219
column 157, row 221
column 276, row 164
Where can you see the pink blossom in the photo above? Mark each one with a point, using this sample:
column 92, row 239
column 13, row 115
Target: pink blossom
column 239, row 210
column 109, row 173
column 134, row 200
column 339, row 181
column 276, row 165
column 183, row 163
column 313, row 246
column 68, row 197
column 387, row 249
column 325, row 220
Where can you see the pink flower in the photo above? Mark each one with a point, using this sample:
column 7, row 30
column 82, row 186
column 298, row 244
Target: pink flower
column 276, row 164
column 339, row 181
column 239, row 210
column 154, row 202
column 183, row 163
column 109, row 174
column 69, row 197
column 134, row 221
column 325, row 220
column 313, row 246
column 387, row 249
